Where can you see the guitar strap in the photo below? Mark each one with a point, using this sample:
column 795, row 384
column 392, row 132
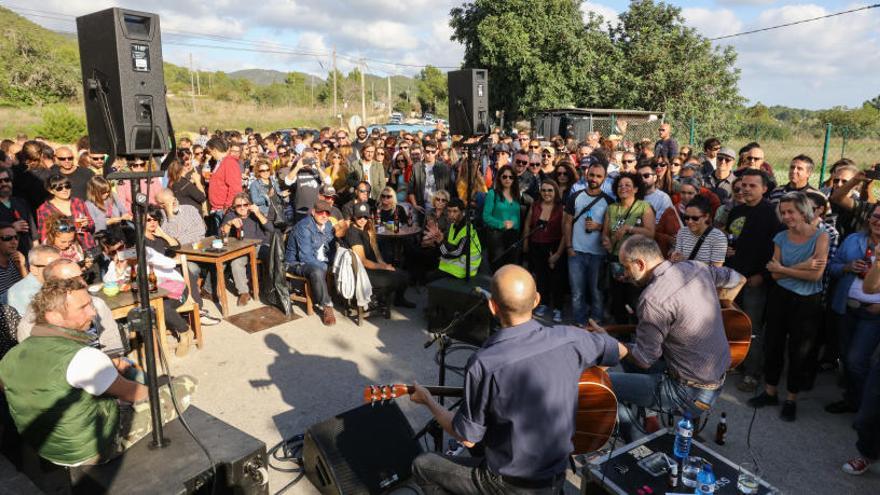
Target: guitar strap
column 699, row 244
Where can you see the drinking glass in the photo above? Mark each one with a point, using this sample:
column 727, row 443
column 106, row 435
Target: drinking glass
column 747, row 480
column 690, row 470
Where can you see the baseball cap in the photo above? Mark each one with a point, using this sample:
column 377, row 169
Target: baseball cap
column 587, row 161
column 321, row 205
column 727, row 152
column 361, row 210
column 328, row 190
column 502, row 148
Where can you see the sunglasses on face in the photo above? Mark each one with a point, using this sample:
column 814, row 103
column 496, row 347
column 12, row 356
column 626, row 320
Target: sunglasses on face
column 387, row 196
column 534, row 147
column 100, row 158
column 441, row 200
column 152, row 219
column 65, row 227
column 242, row 205
column 647, row 176
column 7, row 238
column 363, row 190
column 522, row 162
column 506, row 177
column 754, row 158
column 662, row 165
column 198, row 153
column 724, row 159
column 628, row 161
column 62, row 187
column 546, row 155
column 835, row 181
column 64, row 158
column 138, row 164
column 534, row 164
column 264, row 170
column 688, row 218
column 548, row 191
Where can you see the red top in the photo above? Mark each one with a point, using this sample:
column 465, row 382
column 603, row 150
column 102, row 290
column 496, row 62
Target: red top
column 553, row 232
column 225, row 183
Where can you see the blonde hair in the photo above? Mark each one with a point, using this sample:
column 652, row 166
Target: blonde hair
column 389, row 190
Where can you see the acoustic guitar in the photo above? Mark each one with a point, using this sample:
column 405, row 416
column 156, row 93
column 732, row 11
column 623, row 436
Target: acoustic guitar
column 595, row 417
column 737, row 328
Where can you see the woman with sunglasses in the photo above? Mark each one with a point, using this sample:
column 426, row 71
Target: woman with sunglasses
column 673, row 218
column 546, row 249
column 337, row 170
column 664, row 174
column 501, row 213
column 103, row 204
column 123, row 190
column 61, row 234
column 700, row 241
column 187, row 185
column 477, row 181
column 400, row 175
column 63, row 205
column 265, row 190
column 629, row 215
column 565, row 176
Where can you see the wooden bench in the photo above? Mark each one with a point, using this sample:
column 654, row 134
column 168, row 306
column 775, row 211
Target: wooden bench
column 307, row 292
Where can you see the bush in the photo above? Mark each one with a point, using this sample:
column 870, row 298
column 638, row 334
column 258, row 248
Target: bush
column 62, row 125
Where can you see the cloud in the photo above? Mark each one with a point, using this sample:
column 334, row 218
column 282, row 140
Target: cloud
column 712, row 22
column 745, row 2
column 607, row 13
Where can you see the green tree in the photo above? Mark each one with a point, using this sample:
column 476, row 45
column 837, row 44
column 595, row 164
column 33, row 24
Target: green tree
column 431, row 84
column 544, row 58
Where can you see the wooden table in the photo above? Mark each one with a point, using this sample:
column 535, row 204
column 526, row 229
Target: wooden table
column 234, row 248
column 122, row 303
column 396, row 238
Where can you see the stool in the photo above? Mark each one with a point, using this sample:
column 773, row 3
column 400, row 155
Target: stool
column 307, row 292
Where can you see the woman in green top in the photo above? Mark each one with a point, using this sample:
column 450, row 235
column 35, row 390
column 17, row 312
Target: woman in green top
column 501, row 213
column 629, row 215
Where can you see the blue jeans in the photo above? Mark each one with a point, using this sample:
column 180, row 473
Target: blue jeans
column 660, row 392
column 584, row 270
column 859, row 336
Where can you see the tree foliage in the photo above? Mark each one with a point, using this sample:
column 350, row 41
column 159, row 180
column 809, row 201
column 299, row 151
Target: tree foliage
column 432, row 89
column 649, row 60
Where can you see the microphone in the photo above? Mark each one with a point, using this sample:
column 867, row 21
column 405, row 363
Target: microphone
column 483, row 293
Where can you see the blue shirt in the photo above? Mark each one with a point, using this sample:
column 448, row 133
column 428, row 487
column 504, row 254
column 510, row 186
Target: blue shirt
column 581, row 240
column 22, row 292
column 306, row 240
column 853, row 248
column 520, row 395
column 792, row 254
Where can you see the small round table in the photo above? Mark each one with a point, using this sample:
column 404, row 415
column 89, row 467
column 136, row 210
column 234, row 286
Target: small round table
column 405, row 231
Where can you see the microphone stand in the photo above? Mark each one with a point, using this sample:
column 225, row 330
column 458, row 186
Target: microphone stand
column 442, row 338
column 519, row 242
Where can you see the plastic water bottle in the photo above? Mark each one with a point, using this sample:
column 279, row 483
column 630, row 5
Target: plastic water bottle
column 684, row 433
column 706, row 481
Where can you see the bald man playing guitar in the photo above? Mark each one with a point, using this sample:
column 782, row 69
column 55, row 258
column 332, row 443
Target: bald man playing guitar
column 520, row 397
column 680, row 320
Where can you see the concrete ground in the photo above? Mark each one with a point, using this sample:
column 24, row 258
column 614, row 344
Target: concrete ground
column 276, row 383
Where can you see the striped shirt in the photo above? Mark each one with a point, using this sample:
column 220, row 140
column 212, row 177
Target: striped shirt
column 713, row 249
column 9, row 275
column 680, row 320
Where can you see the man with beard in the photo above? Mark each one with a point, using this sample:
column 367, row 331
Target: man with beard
column 679, row 319
column 582, row 228
column 16, row 212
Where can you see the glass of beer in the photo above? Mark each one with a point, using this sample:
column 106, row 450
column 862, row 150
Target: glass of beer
column 747, row 480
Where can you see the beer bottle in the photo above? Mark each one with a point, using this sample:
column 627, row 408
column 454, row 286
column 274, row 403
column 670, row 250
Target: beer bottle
column 396, row 224
column 721, row 430
column 151, row 279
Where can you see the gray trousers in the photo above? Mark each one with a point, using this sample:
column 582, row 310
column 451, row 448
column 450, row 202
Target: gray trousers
column 239, row 268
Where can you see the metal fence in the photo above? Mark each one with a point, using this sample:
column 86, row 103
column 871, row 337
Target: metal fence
column 822, row 142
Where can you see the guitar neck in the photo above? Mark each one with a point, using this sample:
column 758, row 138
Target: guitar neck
column 440, row 391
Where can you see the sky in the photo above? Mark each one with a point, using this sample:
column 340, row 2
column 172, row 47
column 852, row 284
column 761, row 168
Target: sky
column 831, row 62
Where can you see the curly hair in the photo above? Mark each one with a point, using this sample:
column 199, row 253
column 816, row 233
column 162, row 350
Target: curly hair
column 53, row 296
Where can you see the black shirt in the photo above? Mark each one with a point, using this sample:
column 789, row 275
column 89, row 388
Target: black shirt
column 752, row 229
column 79, row 180
column 187, row 193
column 521, row 392
column 305, row 189
column 30, row 184
column 357, row 237
column 158, row 244
column 19, row 209
column 386, row 216
column 252, row 228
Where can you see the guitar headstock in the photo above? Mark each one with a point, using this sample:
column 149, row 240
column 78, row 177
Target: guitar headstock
column 379, row 393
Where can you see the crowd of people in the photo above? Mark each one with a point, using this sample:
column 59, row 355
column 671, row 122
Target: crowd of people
column 561, row 207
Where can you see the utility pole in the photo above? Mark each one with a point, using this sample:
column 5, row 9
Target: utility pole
column 312, row 78
column 335, row 111
column 363, row 95
column 198, row 83
column 192, row 85
column 389, row 95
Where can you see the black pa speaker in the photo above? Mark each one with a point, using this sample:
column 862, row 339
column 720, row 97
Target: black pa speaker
column 123, row 81
column 468, row 101
column 450, row 297
column 368, row 449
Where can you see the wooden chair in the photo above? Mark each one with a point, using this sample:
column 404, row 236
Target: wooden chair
column 189, row 306
column 306, row 298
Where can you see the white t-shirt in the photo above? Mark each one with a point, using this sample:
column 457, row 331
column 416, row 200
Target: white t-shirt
column 91, row 370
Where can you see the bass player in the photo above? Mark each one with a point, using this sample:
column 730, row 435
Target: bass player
column 679, row 318
column 520, row 397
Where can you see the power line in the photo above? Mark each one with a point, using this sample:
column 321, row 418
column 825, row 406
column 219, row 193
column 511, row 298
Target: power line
column 787, row 24
column 248, row 45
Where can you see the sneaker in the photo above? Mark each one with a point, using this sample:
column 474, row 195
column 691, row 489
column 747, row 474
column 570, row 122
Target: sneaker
column 762, row 400
column 840, row 407
column 328, row 318
column 748, row 384
column 540, row 310
column 557, row 316
column 789, row 411
column 856, row 465
column 207, row 320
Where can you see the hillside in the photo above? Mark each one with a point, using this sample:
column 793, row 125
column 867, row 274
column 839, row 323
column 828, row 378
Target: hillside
column 260, row 77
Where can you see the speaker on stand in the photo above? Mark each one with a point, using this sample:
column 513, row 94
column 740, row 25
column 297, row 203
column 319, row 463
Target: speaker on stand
column 468, row 101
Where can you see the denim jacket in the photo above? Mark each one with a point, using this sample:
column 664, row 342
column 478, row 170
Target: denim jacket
column 259, row 193
column 853, row 248
column 306, row 239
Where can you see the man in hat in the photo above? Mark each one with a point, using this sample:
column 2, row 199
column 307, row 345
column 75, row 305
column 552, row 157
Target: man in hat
column 720, row 181
column 428, row 177
column 309, row 253
column 328, row 194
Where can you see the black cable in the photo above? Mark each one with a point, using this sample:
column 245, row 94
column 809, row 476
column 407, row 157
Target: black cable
column 454, row 347
column 787, row 24
column 291, row 449
column 614, row 438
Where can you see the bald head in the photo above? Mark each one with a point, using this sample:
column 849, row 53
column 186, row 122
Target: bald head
column 514, row 292
column 62, row 269
column 164, row 195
